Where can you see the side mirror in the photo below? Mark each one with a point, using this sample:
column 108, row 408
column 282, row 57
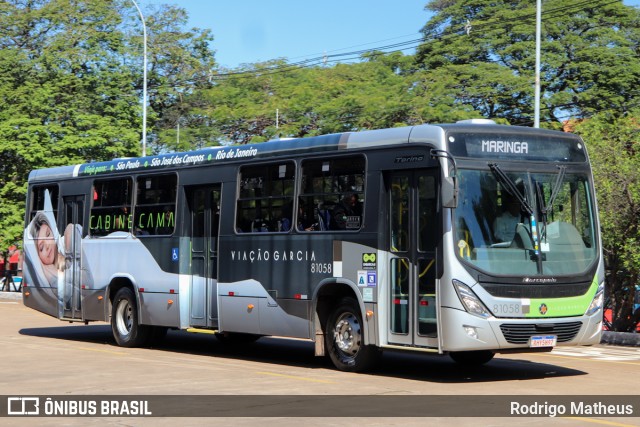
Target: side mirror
column 449, row 192
column 449, row 186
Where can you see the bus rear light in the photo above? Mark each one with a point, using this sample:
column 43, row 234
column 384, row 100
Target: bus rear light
column 298, row 296
column 141, row 290
column 424, row 303
column 172, row 291
column 396, row 302
column 83, row 287
column 231, row 293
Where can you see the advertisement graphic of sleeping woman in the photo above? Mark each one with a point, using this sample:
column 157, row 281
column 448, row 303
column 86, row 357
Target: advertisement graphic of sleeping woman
column 53, row 262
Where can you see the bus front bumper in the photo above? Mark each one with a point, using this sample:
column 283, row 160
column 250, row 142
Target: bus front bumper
column 462, row 331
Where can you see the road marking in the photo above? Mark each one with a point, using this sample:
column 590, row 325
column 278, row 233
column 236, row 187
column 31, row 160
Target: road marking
column 608, row 423
column 119, row 353
column 294, row 377
column 620, row 355
column 591, row 359
column 609, row 353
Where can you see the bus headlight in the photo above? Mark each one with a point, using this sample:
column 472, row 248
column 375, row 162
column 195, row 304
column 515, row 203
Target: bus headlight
column 598, row 299
column 470, row 301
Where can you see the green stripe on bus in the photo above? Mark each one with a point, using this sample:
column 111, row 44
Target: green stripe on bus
column 563, row 307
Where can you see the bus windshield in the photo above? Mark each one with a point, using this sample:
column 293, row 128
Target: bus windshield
column 524, row 223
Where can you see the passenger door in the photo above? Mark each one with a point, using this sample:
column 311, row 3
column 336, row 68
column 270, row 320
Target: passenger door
column 75, row 276
column 204, row 202
column 412, row 230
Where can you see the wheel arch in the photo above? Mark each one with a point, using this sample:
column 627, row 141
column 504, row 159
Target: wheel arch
column 117, row 283
column 326, row 297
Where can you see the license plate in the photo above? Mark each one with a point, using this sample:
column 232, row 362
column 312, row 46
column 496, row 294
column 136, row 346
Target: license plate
column 543, row 341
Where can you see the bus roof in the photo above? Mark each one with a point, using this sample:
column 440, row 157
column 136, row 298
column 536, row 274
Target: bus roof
column 430, row 134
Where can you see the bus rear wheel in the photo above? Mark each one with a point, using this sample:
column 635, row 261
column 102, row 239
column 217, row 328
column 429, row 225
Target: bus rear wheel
column 124, row 320
column 472, row 358
column 344, row 339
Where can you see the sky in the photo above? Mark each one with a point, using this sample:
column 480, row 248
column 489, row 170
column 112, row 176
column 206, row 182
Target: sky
column 250, row 31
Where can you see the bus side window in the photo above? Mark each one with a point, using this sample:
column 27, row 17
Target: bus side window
column 335, row 187
column 264, row 192
column 111, row 207
column 155, row 206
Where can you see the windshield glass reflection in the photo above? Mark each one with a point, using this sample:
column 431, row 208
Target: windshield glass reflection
column 521, row 223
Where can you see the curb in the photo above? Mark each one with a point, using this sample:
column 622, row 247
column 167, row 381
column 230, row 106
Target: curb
column 14, row 296
column 627, row 339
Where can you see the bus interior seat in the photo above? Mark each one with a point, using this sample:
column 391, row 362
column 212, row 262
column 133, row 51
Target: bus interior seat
column 522, row 238
column 324, row 216
column 560, row 233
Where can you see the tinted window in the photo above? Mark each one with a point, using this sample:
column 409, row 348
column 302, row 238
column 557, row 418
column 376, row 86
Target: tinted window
column 111, row 207
column 265, row 199
column 333, row 192
column 155, row 209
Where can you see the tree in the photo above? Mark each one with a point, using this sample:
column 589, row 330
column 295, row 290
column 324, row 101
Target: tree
column 242, row 106
column 589, row 56
column 70, row 86
column 614, row 148
column 180, row 63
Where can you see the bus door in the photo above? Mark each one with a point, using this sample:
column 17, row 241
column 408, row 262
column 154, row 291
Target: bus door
column 204, row 202
column 70, row 298
column 413, row 228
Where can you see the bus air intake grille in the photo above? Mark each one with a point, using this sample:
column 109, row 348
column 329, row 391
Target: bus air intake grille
column 536, row 291
column 519, row 333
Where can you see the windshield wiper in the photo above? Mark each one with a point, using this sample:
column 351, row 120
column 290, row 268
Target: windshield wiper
column 544, row 209
column 511, row 187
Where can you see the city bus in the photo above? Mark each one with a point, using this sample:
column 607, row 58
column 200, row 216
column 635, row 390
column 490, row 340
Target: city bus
column 359, row 242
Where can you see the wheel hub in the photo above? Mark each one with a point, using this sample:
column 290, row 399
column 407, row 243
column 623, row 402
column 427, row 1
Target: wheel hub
column 347, row 334
column 124, row 319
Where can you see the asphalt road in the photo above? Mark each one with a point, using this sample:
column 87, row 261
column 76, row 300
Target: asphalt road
column 42, row 356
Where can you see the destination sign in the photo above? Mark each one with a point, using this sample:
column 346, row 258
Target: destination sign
column 169, row 160
column 211, row 155
column 549, row 146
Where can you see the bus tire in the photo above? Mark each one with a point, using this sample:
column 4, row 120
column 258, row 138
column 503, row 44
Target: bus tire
column 344, row 339
column 472, row 358
column 126, row 329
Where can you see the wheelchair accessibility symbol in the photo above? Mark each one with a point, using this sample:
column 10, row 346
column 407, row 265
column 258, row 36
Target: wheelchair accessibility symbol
column 174, row 254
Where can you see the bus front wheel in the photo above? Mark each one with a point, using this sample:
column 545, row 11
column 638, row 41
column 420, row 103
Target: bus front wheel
column 124, row 320
column 344, row 339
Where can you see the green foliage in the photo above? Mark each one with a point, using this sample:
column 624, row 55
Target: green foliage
column 71, row 83
column 251, row 105
column 589, row 56
column 614, row 148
